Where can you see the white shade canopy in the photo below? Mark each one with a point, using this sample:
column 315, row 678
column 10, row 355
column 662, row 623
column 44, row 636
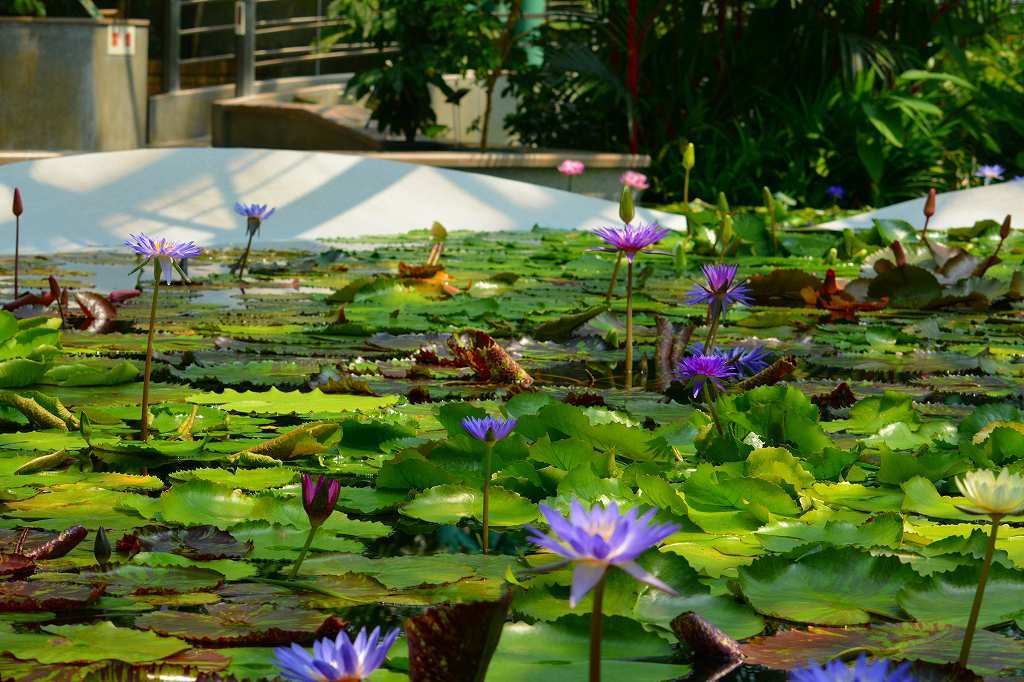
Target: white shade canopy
column 961, row 208
column 92, row 201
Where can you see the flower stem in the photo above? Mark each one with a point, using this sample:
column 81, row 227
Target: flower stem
column 595, row 631
column 972, row 621
column 711, row 406
column 488, row 451
column 569, row 178
column 305, row 549
column 716, row 317
column 244, row 259
column 686, row 199
column 615, row 277
column 629, row 324
column 144, row 427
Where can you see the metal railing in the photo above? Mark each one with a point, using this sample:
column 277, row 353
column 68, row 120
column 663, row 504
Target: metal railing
column 246, row 27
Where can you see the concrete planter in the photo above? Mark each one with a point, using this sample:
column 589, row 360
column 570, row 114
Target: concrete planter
column 72, row 84
column 536, row 166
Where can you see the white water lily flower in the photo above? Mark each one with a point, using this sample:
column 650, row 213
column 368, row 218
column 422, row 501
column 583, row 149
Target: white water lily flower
column 992, row 495
column 754, row 441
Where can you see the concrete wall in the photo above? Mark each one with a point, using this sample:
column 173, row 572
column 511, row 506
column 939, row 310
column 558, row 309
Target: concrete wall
column 187, row 116
column 184, row 117
column 61, row 90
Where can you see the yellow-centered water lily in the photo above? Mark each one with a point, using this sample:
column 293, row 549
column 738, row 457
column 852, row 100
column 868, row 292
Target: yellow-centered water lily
column 992, row 495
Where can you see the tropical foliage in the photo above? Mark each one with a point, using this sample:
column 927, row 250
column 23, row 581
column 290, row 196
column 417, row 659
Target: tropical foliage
column 884, row 98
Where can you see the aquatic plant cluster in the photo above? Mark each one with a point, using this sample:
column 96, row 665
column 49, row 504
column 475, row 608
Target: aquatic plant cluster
column 420, row 506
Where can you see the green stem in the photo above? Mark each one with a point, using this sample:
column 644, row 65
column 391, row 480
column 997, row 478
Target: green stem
column 615, row 278
column 570, row 183
column 305, row 549
column 244, row 259
column 686, row 199
column 488, row 451
column 595, row 631
column 144, row 428
column 716, row 317
column 629, row 324
column 711, row 406
column 972, row 621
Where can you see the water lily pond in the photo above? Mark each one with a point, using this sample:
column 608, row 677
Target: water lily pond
column 810, row 509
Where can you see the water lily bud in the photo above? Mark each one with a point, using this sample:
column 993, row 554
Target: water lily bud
column 318, row 498
column 769, row 200
column 1004, row 229
column 726, row 229
column 438, row 232
column 16, row 208
column 689, row 156
column 723, row 203
column 833, row 255
column 929, row 204
column 897, row 250
column 101, row 547
column 680, row 257
column 626, row 210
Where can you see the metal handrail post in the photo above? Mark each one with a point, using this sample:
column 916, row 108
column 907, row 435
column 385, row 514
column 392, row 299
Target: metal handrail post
column 172, row 47
column 245, row 46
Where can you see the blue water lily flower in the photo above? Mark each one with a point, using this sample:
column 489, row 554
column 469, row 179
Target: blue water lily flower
column 596, row 540
column 861, row 671
column 338, row 660
column 164, row 250
column 488, row 428
column 988, row 173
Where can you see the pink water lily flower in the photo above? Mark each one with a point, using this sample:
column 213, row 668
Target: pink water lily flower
column 634, row 180
column 571, row 167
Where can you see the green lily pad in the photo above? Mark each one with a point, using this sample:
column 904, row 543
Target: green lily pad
column 826, row 587
column 87, row 643
column 446, row 504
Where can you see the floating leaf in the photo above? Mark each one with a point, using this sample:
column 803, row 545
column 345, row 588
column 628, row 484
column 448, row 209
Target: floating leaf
column 242, row 624
column 452, row 503
column 829, row 586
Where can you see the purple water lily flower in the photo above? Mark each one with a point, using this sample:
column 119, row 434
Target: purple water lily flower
column 489, row 428
column 258, row 211
column 599, row 539
column 166, row 251
column 836, row 192
column 861, row 671
column 630, row 239
column 746, row 360
column 697, row 369
column 339, row 660
column 719, row 290
column 990, row 173
column 319, row 498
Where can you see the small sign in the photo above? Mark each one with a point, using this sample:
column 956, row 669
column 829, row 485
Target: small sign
column 239, row 17
column 120, row 39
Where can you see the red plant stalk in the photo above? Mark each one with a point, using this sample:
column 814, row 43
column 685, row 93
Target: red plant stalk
column 17, row 208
